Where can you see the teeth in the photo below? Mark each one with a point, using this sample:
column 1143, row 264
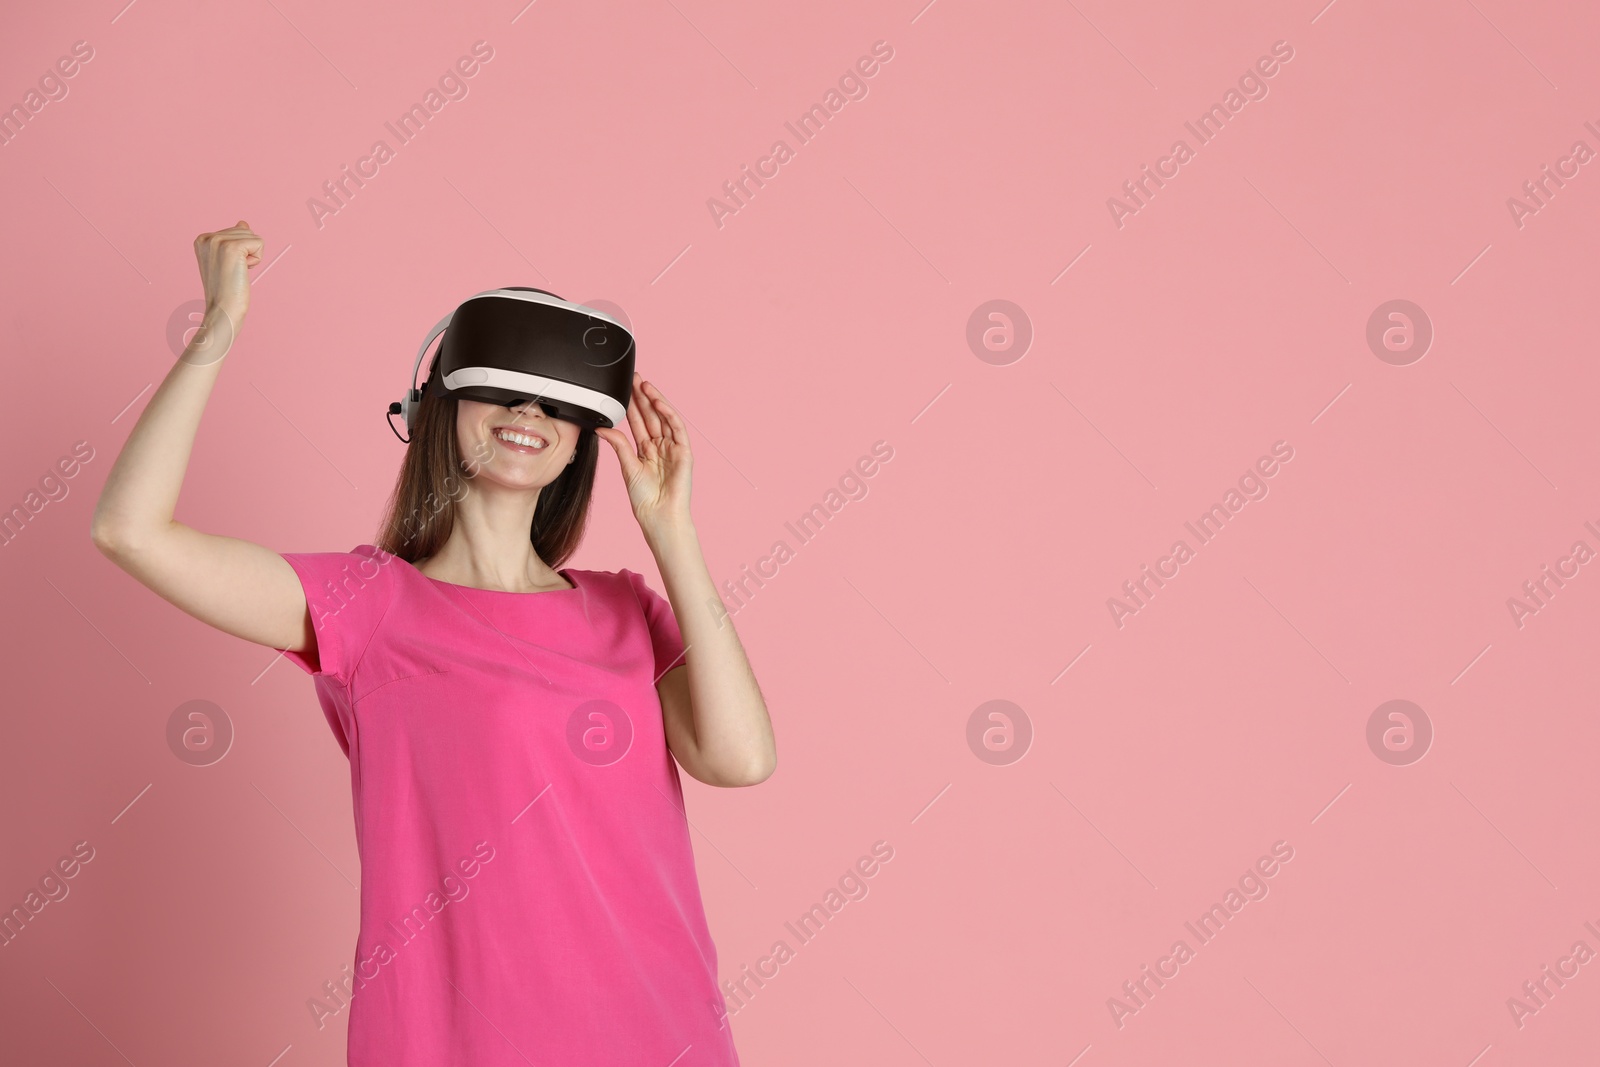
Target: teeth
column 518, row 438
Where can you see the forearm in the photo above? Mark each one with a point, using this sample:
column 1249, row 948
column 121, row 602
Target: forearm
column 733, row 732
column 141, row 492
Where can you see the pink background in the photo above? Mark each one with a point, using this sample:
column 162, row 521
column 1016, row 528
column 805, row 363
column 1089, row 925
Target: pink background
column 829, row 313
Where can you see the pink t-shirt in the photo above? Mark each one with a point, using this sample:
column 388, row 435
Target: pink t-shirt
column 528, row 890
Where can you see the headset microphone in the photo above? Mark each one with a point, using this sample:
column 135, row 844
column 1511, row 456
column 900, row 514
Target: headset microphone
column 510, row 345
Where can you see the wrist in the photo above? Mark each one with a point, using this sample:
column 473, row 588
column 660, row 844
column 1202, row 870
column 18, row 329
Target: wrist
column 214, row 337
column 670, row 534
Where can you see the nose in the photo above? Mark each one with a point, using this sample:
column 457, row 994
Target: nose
column 523, row 406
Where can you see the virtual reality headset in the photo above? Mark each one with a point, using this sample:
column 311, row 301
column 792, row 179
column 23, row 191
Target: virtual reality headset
column 508, row 346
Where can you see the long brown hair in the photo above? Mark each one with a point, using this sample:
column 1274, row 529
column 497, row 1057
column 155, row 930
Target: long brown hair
column 433, row 476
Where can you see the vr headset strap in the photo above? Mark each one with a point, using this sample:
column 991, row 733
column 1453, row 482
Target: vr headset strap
column 413, row 397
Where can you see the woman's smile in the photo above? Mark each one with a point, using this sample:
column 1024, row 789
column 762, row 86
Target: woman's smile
column 520, row 439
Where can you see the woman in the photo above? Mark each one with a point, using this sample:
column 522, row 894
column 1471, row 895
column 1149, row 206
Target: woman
column 528, row 892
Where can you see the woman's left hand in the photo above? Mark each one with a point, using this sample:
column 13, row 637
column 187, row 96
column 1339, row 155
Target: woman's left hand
column 657, row 470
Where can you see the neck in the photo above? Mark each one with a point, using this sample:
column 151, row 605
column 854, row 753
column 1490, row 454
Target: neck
column 489, row 546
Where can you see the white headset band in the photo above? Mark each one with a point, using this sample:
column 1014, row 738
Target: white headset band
column 435, row 332
column 537, row 386
column 551, row 301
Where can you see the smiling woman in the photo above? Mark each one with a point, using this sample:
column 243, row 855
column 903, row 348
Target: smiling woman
column 485, row 691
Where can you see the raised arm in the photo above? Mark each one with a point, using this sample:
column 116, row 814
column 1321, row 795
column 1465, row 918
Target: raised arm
column 239, row 587
column 716, row 719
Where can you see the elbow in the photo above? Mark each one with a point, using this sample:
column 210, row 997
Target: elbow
column 755, row 772
column 116, row 539
column 104, row 537
column 114, row 542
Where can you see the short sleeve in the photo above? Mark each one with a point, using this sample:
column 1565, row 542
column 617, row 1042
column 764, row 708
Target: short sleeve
column 348, row 594
column 665, row 639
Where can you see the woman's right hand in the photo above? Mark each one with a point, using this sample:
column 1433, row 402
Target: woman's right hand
column 225, row 258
